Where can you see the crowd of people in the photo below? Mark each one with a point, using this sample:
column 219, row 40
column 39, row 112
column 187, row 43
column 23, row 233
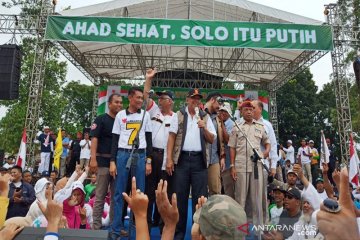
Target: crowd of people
column 150, row 159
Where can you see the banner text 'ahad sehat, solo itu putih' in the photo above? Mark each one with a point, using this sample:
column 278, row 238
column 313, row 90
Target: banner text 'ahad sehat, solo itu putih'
column 190, row 33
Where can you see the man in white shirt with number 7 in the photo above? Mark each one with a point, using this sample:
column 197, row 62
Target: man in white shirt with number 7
column 126, row 126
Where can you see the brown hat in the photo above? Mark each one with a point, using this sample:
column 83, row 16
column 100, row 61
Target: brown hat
column 194, row 92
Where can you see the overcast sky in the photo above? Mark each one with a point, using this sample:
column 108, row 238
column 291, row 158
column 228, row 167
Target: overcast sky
column 308, row 8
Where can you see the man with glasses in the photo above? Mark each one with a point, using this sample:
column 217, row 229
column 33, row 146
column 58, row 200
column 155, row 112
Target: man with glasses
column 217, row 148
column 190, row 133
column 161, row 116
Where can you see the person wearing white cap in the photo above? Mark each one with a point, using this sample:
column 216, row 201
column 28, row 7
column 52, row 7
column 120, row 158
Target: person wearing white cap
column 227, row 124
column 290, row 151
column 46, row 148
column 306, row 227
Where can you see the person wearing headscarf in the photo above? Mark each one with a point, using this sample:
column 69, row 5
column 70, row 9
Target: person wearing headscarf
column 42, row 188
column 73, row 198
column 73, row 206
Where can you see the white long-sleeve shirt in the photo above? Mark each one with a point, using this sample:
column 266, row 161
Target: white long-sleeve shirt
column 271, row 134
column 290, row 154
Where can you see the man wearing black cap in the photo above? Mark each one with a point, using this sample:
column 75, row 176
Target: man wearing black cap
column 289, row 216
column 190, row 133
column 217, row 148
column 161, row 116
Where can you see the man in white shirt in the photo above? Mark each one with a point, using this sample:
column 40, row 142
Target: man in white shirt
column 273, row 156
column 237, row 114
column 190, row 133
column 161, row 115
column 320, row 188
column 290, row 152
column 306, row 226
column 131, row 154
column 304, row 155
column 276, row 209
column 85, row 145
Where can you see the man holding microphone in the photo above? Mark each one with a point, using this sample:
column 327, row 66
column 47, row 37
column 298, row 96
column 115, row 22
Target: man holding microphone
column 189, row 135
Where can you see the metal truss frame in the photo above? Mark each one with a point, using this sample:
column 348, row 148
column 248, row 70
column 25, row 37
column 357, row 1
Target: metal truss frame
column 15, row 24
column 132, row 62
column 37, row 81
column 344, row 37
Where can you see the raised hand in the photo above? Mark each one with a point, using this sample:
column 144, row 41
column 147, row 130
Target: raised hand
column 325, row 169
column 169, row 212
column 137, row 200
column 150, row 72
column 340, row 225
column 52, row 212
column 82, row 212
column 195, row 230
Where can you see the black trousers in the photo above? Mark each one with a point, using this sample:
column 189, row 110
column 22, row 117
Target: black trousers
column 151, row 183
column 190, row 171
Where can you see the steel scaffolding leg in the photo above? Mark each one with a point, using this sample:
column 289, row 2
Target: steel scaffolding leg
column 95, row 99
column 340, row 81
column 273, row 113
column 36, row 83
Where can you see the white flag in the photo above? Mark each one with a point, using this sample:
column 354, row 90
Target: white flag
column 325, row 153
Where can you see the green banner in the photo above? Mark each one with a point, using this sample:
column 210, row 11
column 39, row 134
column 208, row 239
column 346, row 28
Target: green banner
column 189, row 32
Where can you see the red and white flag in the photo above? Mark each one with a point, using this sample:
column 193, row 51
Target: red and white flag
column 21, row 157
column 354, row 163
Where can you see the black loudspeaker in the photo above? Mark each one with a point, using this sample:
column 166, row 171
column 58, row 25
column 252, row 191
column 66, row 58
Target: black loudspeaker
column 65, row 234
column 10, row 63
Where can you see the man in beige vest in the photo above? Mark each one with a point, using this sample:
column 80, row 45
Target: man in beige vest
column 188, row 153
column 249, row 188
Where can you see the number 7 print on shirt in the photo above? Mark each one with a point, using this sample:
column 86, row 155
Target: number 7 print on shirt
column 135, row 128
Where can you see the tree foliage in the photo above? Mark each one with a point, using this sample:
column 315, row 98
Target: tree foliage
column 78, row 106
column 302, row 112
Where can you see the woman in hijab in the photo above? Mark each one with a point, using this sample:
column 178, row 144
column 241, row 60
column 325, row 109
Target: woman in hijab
column 42, row 188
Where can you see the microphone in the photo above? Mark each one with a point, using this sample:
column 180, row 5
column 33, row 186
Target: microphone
column 197, row 113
